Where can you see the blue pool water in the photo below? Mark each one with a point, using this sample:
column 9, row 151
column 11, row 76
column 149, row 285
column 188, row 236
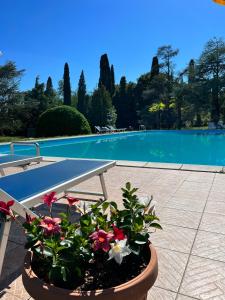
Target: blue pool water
column 187, row 147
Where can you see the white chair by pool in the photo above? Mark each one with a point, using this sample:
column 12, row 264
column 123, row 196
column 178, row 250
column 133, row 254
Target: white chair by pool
column 13, row 160
column 27, row 188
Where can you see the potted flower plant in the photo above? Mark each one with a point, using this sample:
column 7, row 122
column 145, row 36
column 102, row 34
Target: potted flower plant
column 106, row 254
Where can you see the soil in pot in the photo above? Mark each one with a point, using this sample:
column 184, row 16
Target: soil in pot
column 103, row 275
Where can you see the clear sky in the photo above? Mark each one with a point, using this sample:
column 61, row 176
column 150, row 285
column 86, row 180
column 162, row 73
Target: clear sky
column 41, row 35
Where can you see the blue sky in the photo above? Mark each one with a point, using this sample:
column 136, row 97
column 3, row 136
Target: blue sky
column 40, row 36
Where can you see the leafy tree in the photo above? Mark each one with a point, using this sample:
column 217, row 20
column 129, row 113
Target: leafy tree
column 83, row 99
column 212, row 69
column 105, row 73
column 101, row 107
column 166, row 54
column 66, row 86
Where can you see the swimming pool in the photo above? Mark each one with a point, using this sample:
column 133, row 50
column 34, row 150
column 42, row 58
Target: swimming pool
column 187, row 147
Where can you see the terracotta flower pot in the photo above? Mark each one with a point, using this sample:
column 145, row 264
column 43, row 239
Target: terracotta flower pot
column 135, row 289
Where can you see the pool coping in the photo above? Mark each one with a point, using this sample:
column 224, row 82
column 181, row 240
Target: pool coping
column 154, row 165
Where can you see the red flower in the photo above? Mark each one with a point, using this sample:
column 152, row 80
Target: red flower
column 29, row 219
column 71, row 200
column 101, row 240
column 118, row 233
column 5, row 208
column 50, row 225
column 49, row 198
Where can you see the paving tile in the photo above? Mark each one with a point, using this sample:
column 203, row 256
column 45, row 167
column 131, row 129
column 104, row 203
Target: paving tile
column 179, row 217
column 190, row 204
column 204, row 279
column 16, row 289
column 130, row 163
column 13, row 263
column 171, row 269
column 174, row 238
column 213, row 223
column 192, row 185
column 164, row 165
column 202, row 168
column 8, row 296
column 210, row 245
column 198, row 177
column 160, row 294
column 192, row 194
column 182, row 297
column 217, row 207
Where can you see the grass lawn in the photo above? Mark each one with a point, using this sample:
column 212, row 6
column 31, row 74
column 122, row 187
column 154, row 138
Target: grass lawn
column 5, row 139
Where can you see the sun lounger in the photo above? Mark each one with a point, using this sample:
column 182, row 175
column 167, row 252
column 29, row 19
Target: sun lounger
column 116, row 129
column 27, row 188
column 12, row 160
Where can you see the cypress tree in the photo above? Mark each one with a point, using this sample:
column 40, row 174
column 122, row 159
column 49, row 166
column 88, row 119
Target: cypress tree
column 112, row 76
column 81, row 95
column 49, row 91
column 66, row 86
column 155, row 67
column 105, row 76
column 191, row 71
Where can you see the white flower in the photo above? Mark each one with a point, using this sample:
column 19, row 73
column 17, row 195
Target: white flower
column 148, row 203
column 119, row 250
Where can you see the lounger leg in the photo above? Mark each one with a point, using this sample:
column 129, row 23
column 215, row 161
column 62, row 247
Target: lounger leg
column 2, row 172
column 4, row 234
column 102, row 180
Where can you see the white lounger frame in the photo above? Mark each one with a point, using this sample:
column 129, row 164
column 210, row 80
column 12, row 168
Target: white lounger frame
column 22, row 162
column 23, row 207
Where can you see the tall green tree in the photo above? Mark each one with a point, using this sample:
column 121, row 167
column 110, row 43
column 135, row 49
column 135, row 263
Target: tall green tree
column 66, row 86
column 101, row 107
column 10, row 78
column 49, row 91
column 82, row 104
column 105, row 73
column 112, row 76
column 155, row 67
column 166, row 54
column 212, row 69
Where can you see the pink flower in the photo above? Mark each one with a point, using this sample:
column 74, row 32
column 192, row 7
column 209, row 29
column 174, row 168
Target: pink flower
column 49, row 198
column 5, row 208
column 101, row 240
column 50, row 225
column 71, row 200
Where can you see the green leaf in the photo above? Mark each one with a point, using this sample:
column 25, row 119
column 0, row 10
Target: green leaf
column 155, row 225
column 105, row 205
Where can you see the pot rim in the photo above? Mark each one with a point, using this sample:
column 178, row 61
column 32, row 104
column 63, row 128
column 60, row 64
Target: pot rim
column 150, row 269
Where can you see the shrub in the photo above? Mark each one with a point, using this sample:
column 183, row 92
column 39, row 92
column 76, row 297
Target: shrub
column 62, row 120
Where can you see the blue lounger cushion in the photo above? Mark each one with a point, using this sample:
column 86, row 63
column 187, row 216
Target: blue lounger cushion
column 29, row 183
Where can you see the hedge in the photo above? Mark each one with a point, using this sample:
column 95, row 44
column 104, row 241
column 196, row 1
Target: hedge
column 62, row 120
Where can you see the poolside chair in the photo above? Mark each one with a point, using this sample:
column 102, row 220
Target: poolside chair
column 220, row 125
column 98, row 129
column 116, row 129
column 12, row 160
column 27, row 188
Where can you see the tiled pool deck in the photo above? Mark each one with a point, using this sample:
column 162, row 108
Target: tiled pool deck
column 191, row 247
